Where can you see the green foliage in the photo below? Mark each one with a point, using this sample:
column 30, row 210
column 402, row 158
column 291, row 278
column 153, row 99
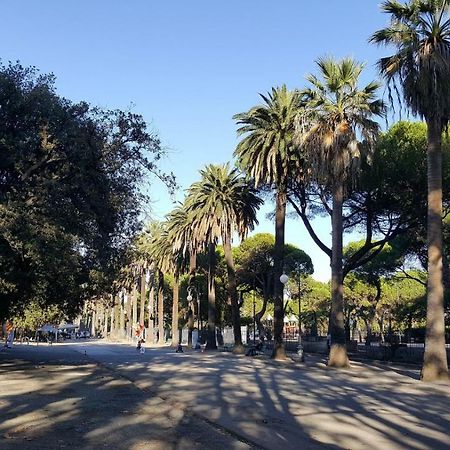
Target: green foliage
column 35, row 316
column 267, row 151
column 70, row 179
column 220, row 204
column 420, row 67
column 255, row 263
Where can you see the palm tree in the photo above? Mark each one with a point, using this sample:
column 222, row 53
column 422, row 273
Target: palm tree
column 268, row 154
column 168, row 259
column 336, row 114
column 179, row 237
column 420, row 32
column 221, row 204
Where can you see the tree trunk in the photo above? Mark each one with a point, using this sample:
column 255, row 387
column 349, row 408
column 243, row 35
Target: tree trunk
column 211, row 338
column 151, row 315
column 94, row 322
column 175, row 332
column 161, row 308
column 260, row 315
column 142, row 304
column 435, row 357
column 105, row 321
column 338, row 352
column 279, row 351
column 232, row 290
column 112, row 314
column 121, row 317
column 128, row 326
column 134, row 319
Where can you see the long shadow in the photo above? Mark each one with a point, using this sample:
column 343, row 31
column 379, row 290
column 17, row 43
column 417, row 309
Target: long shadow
column 360, row 406
column 54, row 398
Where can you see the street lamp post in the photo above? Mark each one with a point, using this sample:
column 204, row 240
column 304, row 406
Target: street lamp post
column 190, row 318
column 284, row 279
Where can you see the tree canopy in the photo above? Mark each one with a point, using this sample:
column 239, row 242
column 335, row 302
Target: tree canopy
column 70, row 191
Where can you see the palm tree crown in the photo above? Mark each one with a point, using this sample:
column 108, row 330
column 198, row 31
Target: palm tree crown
column 336, row 123
column 267, row 150
column 221, row 203
column 420, row 31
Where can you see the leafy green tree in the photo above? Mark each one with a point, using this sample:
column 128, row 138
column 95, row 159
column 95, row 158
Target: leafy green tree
column 35, row 316
column 268, row 154
column 70, row 192
column 420, row 68
column 337, row 114
column 315, row 299
column 255, row 259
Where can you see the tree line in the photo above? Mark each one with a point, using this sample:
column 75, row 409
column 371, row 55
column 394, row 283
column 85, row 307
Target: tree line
column 317, row 151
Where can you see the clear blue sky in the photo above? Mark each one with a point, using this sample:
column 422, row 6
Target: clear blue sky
column 188, row 66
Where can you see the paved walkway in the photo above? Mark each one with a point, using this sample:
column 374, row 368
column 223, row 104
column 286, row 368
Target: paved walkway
column 244, row 402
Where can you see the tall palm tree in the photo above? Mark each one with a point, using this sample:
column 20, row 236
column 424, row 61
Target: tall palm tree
column 335, row 116
column 221, row 204
column 420, row 68
column 268, row 154
column 168, row 259
column 180, row 255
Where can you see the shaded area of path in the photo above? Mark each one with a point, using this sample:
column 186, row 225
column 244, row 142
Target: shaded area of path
column 293, row 406
column 53, row 397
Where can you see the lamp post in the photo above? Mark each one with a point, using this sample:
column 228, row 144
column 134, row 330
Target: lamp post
column 190, row 318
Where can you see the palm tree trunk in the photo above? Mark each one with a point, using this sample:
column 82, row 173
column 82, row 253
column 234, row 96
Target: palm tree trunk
column 211, row 338
column 112, row 314
column 135, row 309
column 127, row 325
column 435, row 357
column 279, row 351
column 232, row 290
column 151, row 315
column 142, row 303
column 121, row 318
column 105, row 321
column 161, row 308
column 175, row 332
column 338, row 352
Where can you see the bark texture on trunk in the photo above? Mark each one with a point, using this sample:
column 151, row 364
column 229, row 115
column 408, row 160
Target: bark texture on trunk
column 211, row 338
column 175, row 332
column 160, row 308
column 232, row 289
column 151, row 315
column 259, row 315
column 279, row 351
column 338, row 351
column 135, row 310
column 122, row 331
column 142, row 303
column 435, row 356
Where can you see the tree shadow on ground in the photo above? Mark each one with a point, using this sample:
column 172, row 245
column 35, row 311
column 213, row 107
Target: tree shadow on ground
column 52, row 399
column 280, row 406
